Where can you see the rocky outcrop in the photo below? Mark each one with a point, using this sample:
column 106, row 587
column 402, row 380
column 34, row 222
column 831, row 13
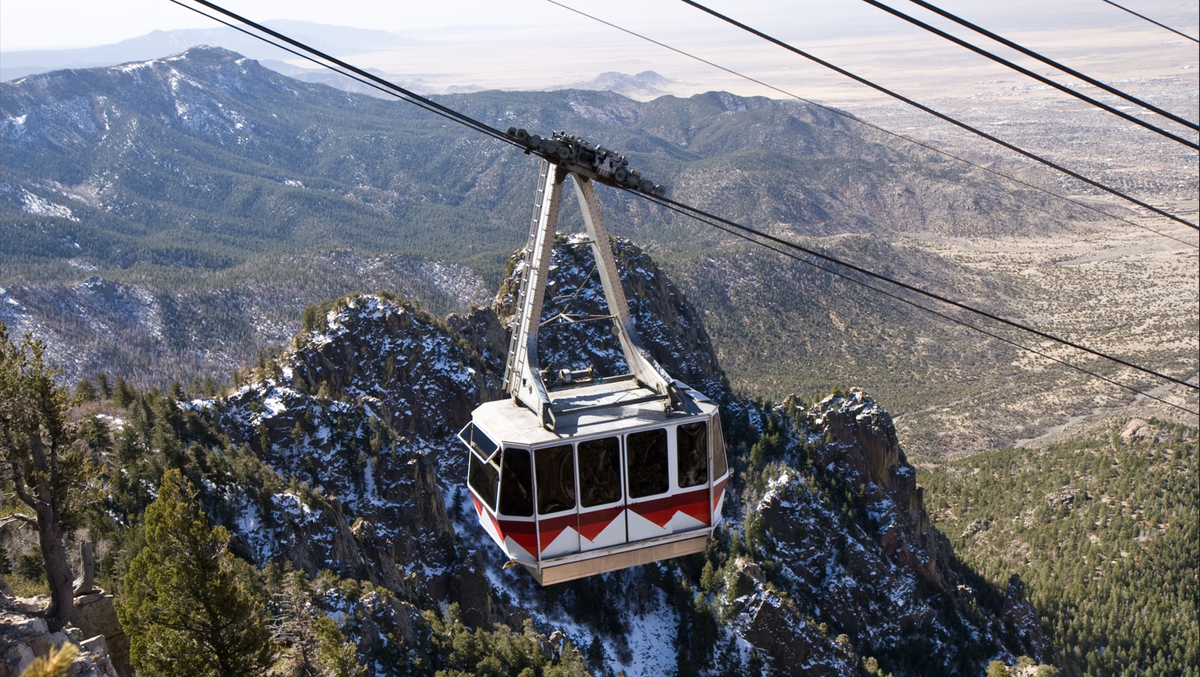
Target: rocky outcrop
column 358, row 418
column 850, row 566
column 796, row 643
column 96, row 617
column 423, row 379
column 862, row 447
column 24, row 637
column 668, row 326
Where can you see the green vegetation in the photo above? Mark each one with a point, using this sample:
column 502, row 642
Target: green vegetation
column 187, row 603
column 49, row 474
column 499, row 652
column 194, row 604
column 1103, row 530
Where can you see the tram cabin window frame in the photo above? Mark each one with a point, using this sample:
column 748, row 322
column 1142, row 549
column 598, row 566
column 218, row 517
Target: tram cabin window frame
column 720, row 463
column 556, row 492
column 611, row 461
column 647, row 462
column 516, row 483
column 693, row 470
column 483, row 473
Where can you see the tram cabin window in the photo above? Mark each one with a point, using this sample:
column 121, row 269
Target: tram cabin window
column 691, row 439
column 516, row 488
column 555, row 479
column 719, row 464
column 647, row 454
column 483, row 478
column 599, row 472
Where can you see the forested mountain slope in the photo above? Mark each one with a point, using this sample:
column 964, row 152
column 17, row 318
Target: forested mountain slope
column 1103, row 530
column 337, row 460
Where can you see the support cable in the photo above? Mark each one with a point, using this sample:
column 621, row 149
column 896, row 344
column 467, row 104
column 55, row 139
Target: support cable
column 883, row 278
column 1051, row 62
column 1045, row 80
column 700, row 214
column 428, row 104
column 852, row 118
column 352, row 76
column 931, row 311
column 1142, row 16
column 940, row 116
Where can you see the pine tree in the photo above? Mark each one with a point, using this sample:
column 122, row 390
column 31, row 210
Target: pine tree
column 187, row 605
column 47, row 472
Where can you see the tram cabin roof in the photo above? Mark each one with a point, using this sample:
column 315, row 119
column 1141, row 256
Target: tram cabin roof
column 513, row 425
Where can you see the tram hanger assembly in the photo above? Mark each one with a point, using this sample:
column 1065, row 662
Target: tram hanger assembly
column 574, row 475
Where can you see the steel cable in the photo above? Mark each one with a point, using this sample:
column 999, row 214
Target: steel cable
column 931, row 311
column 940, row 116
column 872, row 125
column 1041, row 78
column 701, row 215
column 1143, row 16
column 1051, row 62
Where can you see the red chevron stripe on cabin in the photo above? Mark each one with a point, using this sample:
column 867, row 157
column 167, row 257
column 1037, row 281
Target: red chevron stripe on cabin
column 661, row 510
column 551, row 527
column 718, row 491
column 592, row 523
column 523, row 533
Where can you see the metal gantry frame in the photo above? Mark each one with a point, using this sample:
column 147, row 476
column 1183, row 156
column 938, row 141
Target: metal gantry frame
column 522, row 373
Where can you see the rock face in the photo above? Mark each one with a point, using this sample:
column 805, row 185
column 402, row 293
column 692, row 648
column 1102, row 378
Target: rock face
column 853, row 567
column 863, row 447
column 389, row 352
column 392, row 386
column 356, row 422
column 96, row 617
column 669, row 327
column 24, row 637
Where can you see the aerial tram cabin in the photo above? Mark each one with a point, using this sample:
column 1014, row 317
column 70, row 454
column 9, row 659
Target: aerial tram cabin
column 589, row 475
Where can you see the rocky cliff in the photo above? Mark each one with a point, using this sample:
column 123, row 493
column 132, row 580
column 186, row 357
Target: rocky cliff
column 828, row 558
column 851, row 567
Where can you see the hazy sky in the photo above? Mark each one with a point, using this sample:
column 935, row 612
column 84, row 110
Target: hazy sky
column 32, row 24
column 534, row 44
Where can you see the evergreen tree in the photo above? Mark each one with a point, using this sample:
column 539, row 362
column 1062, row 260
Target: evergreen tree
column 123, row 395
column 47, row 474
column 998, row 669
column 103, row 386
column 313, row 645
column 85, row 390
column 186, row 607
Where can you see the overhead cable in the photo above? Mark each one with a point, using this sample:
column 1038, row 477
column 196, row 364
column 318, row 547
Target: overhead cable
column 429, row 104
column 696, row 212
column 1142, row 16
column 1043, row 79
column 941, row 116
column 1051, row 62
column 852, row 118
column 307, row 57
column 944, row 316
column 911, row 288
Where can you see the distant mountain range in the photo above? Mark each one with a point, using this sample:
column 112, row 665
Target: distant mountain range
column 156, row 44
column 227, row 197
